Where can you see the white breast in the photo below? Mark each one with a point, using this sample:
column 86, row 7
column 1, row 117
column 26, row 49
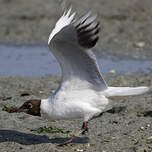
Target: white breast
column 73, row 104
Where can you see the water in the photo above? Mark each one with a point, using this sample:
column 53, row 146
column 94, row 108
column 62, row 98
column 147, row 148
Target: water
column 37, row 61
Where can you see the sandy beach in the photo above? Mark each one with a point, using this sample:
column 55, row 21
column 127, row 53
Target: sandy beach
column 125, row 128
column 125, row 31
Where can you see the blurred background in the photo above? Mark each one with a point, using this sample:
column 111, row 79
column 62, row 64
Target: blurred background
column 126, row 25
column 126, row 33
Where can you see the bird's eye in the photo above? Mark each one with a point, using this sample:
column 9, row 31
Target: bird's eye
column 29, row 106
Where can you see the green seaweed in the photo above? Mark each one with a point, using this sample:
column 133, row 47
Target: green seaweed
column 50, row 129
column 8, row 108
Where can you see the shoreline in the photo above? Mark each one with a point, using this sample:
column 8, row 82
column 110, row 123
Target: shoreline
column 125, row 25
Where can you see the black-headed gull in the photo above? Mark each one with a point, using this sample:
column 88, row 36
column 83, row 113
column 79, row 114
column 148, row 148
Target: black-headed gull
column 82, row 93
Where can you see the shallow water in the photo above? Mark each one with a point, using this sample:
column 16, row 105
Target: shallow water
column 37, row 61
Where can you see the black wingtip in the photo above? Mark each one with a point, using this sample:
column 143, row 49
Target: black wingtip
column 87, row 31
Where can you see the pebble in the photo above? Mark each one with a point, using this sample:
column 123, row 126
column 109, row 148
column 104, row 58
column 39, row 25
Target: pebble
column 149, row 140
column 140, row 44
column 142, row 128
column 135, row 141
column 112, row 71
column 79, row 150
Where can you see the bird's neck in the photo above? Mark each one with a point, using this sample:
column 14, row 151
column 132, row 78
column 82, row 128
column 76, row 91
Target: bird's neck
column 46, row 107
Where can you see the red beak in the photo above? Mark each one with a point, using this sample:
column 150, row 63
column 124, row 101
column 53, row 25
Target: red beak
column 13, row 110
column 17, row 110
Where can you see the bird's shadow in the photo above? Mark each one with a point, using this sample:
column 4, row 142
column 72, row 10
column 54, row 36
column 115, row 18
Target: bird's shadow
column 32, row 139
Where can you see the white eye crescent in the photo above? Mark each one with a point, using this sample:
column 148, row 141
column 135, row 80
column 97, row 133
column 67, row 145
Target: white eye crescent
column 30, row 106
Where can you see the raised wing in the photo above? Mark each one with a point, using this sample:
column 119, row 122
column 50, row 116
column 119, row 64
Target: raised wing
column 71, row 42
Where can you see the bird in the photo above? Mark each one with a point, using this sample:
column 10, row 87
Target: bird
column 83, row 92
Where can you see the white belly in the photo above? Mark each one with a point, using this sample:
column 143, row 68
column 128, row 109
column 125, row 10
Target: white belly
column 64, row 111
column 74, row 105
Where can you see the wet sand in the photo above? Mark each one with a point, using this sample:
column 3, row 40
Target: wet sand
column 19, row 63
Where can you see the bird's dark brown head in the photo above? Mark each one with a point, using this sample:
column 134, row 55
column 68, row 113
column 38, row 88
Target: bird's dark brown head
column 31, row 107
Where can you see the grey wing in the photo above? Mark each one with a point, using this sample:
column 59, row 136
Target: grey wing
column 72, row 47
column 87, row 33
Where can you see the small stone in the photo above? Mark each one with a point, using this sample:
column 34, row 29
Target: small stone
column 135, row 141
column 79, row 150
column 6, row 98
column 142, row 128
column 140, row 44
column 114, row 138
column 23, row 94
column 149, row 140
column 148, row 125
column 112, row 71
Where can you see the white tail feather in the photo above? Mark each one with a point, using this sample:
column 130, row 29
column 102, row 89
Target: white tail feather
column 125, row 91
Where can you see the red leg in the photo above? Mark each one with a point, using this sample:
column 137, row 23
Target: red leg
column 68, row 141
column 85, row 124
column 84, row 127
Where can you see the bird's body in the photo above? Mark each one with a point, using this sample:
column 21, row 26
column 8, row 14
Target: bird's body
column 83, row 92
column 80, row 92
column 74, row 104
column 85, row 103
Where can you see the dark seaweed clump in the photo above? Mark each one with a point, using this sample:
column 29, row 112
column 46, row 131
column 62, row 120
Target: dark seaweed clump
column 51, row 129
